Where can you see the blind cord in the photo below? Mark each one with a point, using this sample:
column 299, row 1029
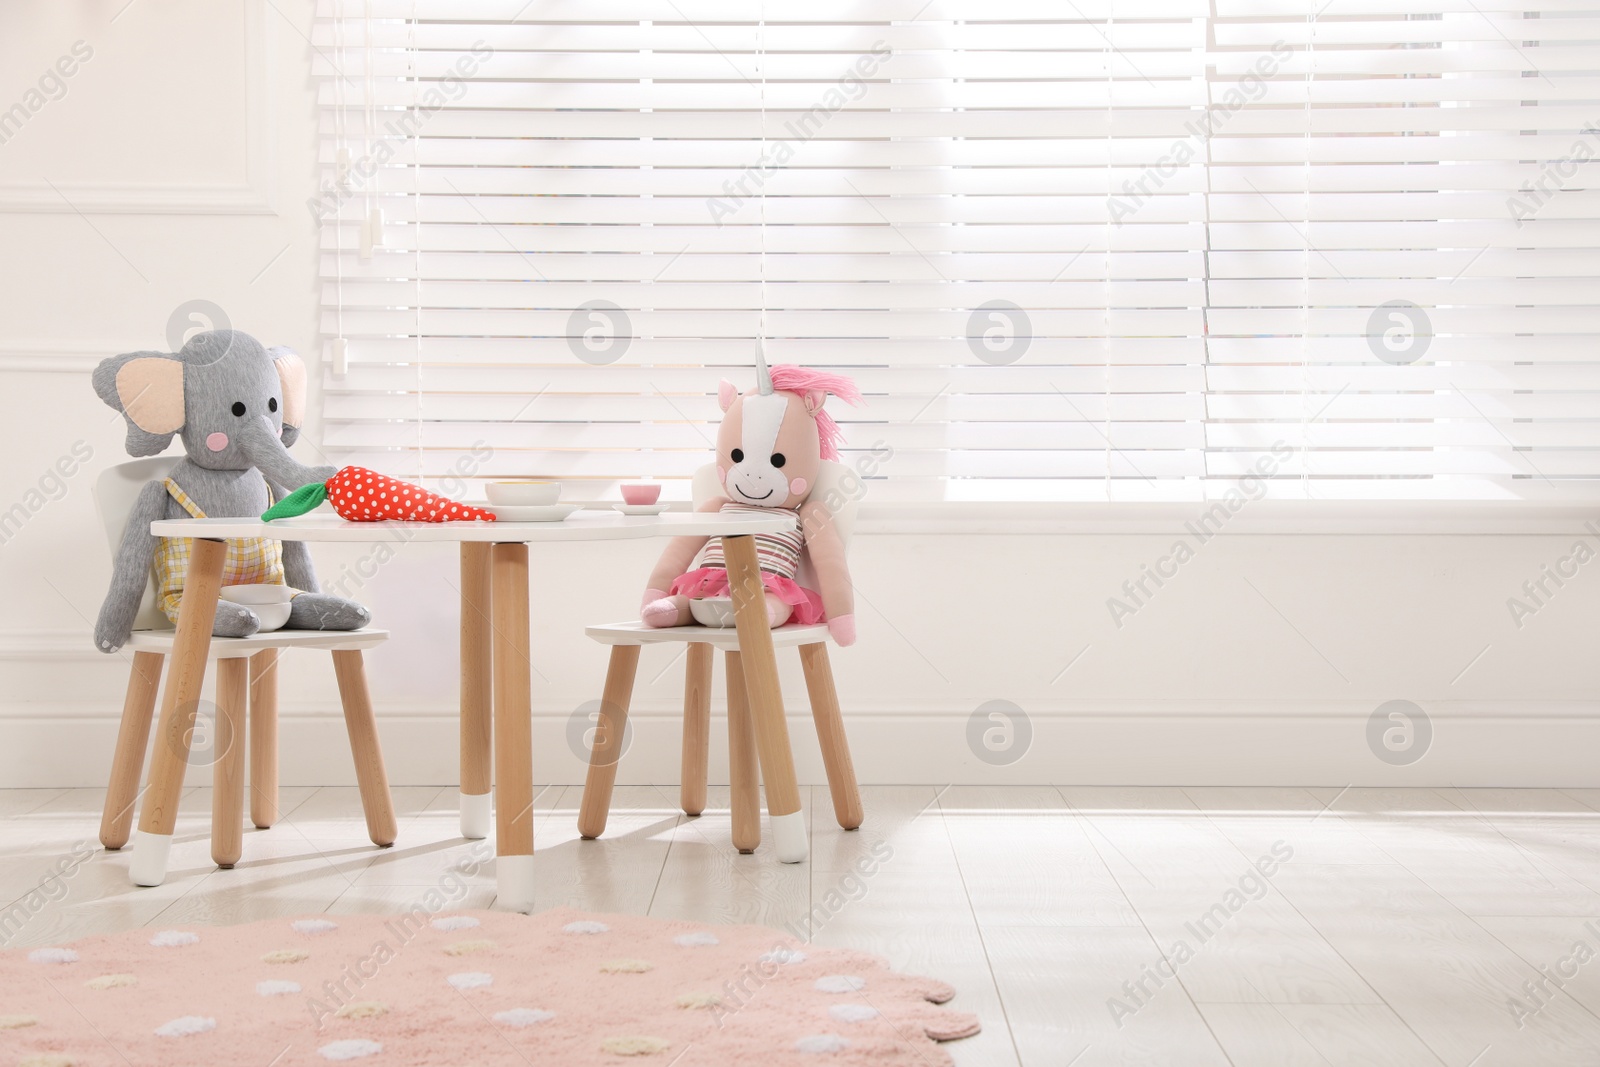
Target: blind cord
column 1305, row 269
column 416, row 231
column 341, row 145
column 1105, row 310
column 761, row 69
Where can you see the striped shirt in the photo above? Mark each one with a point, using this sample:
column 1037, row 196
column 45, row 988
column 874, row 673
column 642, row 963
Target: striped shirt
column 778, row 553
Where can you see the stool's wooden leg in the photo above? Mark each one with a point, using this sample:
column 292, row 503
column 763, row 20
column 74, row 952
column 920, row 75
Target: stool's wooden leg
column 513, row 727
column 477, row 692
column 186, row 673
column 830, row 735
column 227, row 772
column 696, row 728
column 362, row 726
column 744, row 785
column 127, row 764
column 789, row 836
column 610, row 732
column 264, row 738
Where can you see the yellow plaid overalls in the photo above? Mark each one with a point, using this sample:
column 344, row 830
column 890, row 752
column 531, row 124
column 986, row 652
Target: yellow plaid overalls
column 250, row 561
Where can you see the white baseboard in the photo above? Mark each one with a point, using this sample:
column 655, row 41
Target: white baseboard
column 1524, row 746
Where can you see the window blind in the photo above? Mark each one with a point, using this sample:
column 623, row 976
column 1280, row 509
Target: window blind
column 1071, row 251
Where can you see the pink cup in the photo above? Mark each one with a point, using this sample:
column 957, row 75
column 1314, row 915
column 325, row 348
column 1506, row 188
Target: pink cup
column 641, row 494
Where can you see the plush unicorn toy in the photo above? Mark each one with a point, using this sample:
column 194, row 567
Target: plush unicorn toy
column 770, row 448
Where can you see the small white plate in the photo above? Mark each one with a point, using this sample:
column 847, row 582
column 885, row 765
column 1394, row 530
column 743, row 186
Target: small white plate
column 532, row 513
column 641, row 509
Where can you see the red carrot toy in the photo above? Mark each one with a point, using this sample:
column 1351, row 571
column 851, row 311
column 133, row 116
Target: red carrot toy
column 362, row 495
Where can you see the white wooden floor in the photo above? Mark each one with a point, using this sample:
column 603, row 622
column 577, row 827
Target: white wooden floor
column 1396, row 926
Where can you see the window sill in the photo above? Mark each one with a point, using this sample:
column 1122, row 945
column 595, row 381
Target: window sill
column 1346, row 517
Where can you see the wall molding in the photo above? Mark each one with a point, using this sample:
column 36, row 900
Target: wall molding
column 1175, row 748
column 556, row 707
column 30, row 646
column 59, row 357
column 896, row 738
column 254, row 194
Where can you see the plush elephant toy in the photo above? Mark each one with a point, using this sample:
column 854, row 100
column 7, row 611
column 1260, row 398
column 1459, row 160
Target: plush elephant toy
column 237, row 407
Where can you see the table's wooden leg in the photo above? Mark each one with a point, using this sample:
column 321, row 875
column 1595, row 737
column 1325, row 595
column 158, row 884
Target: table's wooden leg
column 127, row 765
column 611, row 730
column 766, row 699
column 227, row 770
column 185, row 677
column 744, row 783
column 264, row 738
column 477, row 663
column 513, row 727
column 696, row 728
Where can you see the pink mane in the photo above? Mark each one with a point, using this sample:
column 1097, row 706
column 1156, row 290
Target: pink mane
column 787, row 378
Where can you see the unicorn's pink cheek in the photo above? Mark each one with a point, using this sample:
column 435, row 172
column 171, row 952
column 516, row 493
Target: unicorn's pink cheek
column 798, row 487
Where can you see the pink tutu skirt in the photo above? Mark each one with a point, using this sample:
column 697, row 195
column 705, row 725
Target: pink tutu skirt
column 713, row 582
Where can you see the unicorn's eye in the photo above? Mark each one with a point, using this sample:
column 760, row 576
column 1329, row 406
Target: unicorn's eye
column 737, row 455
column 778, row 460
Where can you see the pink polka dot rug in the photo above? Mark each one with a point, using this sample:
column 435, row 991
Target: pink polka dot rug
column 462, row 989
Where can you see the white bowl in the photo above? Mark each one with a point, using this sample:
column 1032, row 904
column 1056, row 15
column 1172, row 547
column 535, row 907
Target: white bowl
column 524, row 494
column 713, row 611
column 269, row 602
column 537, row 513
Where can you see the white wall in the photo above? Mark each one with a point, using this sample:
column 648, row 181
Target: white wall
column 185, row 148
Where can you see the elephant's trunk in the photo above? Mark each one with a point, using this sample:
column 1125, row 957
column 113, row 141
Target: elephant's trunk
column 266, row 451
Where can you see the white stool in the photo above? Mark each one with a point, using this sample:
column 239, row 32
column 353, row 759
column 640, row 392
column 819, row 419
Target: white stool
column 247, row 672
column 626, row 639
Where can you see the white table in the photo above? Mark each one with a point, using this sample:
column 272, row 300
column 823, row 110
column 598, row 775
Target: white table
column 494, row 645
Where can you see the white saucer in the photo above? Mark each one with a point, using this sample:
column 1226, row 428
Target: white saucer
column 532, row 513
column 641, row 509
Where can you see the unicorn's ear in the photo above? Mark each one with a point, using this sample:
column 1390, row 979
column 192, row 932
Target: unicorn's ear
column 727, row 393
column 814, row 399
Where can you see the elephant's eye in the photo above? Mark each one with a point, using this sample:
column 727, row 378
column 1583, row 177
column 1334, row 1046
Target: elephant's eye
column 238, row 408
column 778, row 460
column 272, row 405
column 737, row 455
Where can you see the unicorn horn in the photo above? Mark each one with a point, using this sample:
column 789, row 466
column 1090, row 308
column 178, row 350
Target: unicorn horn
column 763, row 376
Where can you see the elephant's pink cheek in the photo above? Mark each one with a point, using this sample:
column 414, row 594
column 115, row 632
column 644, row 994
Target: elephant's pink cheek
column 217, row 441
column 797, row 487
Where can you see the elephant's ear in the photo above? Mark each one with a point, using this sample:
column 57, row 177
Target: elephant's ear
column 292, row 375
column 147, row 387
